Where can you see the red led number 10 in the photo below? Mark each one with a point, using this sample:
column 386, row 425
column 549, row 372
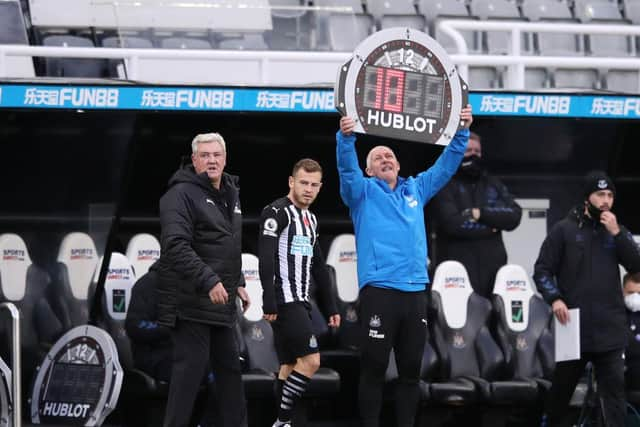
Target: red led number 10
column 387, row 92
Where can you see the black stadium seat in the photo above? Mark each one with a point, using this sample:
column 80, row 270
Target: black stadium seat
column 523, row 335
column 72, row 287
column 25, row 285
column 72, row 67
column 523, row 326
column 457, row 337
column 468, row 353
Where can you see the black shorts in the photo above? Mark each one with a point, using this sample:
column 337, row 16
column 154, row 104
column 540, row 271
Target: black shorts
column 293, row 333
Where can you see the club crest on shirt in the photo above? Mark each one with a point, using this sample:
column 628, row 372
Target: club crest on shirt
column 351, row 315
column 375, row 321
column 458, row 340
column 521, row 343
column 257, row 334
column 411, row 201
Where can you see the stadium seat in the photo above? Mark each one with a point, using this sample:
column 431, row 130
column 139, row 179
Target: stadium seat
column 184, row 43
column 499, row 42
column 556, row 44
column 253, row 286
column 130, row 42
column 428, row 369
column 117, row 295
column 623, row 81
column 247, row 41
column 484, row 78
column 25, row 285
column 631, row 9
column 523, row 327
column 452, row 9
column 143, row 397
column 72, row 67
column 347, row 31
column 72, row 288
column 142, row 251
column 466, row 347
column 13, row 30
column 342, row 260
column 292, row 25
column 536, row 78
column 342, row 24
column 399, row 13
column 117, row 66
column 455, row 331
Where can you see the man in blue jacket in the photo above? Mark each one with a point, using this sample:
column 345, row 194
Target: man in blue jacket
column 388, row 218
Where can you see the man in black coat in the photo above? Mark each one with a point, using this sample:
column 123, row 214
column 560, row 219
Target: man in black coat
column 578, row 267
column 151, row 343
column 471, row 212
column 200, row 277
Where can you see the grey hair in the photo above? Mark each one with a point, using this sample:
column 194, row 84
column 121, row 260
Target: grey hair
column 207, row 137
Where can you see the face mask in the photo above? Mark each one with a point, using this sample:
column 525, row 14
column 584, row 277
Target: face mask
column 594, row 211
column 632, row 301
column 471, row 166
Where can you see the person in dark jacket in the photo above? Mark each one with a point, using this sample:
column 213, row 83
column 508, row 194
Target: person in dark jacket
column 471, row 212
column 578, row 267
column 631, row 291
column 151, row 342
column 200, row 277
column 289, row 255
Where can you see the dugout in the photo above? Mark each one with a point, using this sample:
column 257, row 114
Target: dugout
column 101, row 169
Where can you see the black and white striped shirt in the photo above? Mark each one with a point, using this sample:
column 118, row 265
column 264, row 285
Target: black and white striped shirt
column 289, row 254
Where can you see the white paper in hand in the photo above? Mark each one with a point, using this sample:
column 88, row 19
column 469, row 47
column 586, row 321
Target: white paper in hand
column 567, row 337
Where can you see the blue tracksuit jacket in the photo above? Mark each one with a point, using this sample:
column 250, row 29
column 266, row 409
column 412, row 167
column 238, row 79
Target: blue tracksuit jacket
column 389, row 225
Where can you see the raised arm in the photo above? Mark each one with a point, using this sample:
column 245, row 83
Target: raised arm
column 437, row 176
column 351, row 178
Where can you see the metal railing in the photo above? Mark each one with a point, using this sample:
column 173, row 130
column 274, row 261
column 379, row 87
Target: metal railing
column 304, row 67
column 16, row 368
column 516, row 63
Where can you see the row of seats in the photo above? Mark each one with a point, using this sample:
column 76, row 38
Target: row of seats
column 464, row 361
column 339, row 25
column 499, row 351
column 52, row 302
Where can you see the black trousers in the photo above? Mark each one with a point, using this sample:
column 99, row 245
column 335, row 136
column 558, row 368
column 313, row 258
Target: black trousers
column 391, row 319
column 609, row 371
column 196, row 345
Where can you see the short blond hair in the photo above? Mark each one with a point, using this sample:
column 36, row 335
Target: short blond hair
column 207, row 137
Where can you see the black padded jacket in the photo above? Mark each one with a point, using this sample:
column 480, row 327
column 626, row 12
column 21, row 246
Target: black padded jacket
column 201, row 241
column 579, row 264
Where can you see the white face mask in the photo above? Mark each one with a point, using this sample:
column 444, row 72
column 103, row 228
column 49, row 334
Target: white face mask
column 632, row 301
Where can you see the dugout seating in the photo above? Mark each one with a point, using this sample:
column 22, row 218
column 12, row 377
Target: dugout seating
column 523, row 334
column 140, row 391
column 467, row 351
column 259, row 351
column 72, row 287
column 342, row 260
column 142, row 251
column 25, row 285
